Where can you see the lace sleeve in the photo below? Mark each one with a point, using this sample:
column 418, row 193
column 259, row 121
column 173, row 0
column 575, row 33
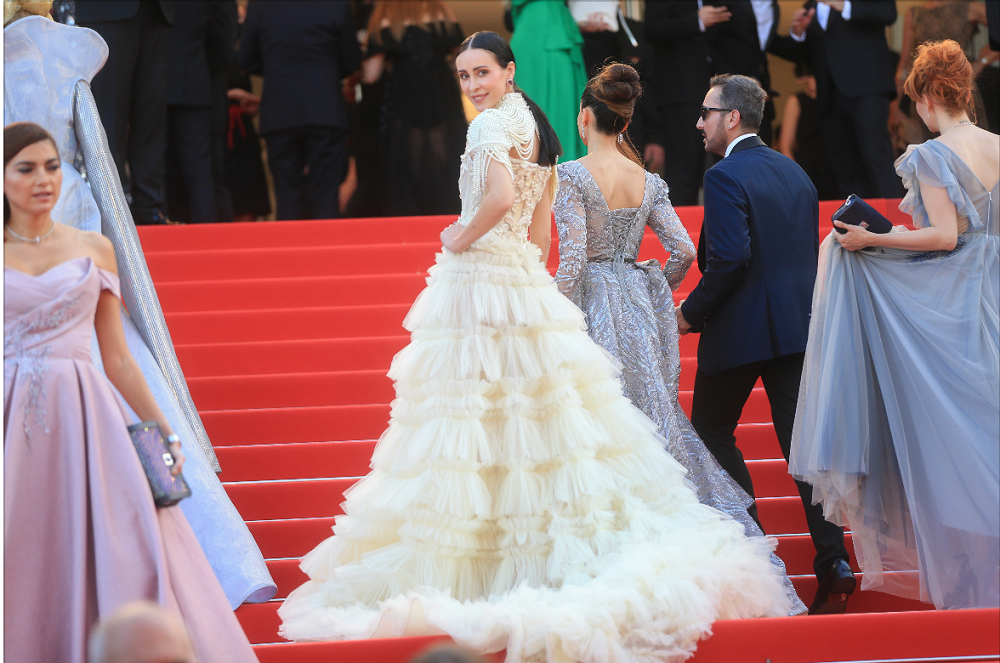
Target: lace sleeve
column 571, row 223
column 672, row 234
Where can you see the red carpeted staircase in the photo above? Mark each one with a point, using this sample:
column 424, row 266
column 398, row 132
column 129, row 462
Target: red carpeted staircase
column 285, row 332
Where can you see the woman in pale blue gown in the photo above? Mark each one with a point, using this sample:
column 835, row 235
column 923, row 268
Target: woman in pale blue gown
column 898, row 417
column 629, row 305
column 47, row 71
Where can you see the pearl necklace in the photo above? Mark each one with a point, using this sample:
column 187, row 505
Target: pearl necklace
column 963, row 122
column 30, row 240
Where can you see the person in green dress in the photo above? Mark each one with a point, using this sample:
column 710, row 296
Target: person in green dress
column 547, row 45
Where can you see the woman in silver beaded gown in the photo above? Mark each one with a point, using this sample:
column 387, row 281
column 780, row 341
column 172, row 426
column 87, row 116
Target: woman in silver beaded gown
column 629, row 305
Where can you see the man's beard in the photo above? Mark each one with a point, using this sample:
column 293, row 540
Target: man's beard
column 714, row 145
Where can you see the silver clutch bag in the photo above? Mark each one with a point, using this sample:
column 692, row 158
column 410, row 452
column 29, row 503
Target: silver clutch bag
column 157, row 461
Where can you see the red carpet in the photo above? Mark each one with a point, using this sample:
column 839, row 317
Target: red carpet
column 285, row 332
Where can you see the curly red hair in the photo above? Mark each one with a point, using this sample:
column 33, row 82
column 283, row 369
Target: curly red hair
column 942, row 72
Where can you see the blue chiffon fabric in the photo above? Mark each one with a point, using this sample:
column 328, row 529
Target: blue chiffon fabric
column 898, row 420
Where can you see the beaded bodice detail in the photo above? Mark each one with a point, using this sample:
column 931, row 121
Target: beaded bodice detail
column 591, row 232
column 492, row 136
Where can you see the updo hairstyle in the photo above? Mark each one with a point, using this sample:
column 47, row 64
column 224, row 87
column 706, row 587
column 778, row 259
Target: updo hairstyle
column 942, row 72
column 611, row 96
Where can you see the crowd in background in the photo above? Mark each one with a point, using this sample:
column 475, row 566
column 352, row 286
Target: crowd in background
column 361, row 113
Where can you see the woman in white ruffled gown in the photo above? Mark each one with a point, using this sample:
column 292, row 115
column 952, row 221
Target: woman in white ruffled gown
column 898, row 418
column 518, row 500
column 46, row 67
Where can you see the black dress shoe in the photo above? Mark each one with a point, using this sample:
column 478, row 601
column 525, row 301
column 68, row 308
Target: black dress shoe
column 156, row 219
column 831, row 595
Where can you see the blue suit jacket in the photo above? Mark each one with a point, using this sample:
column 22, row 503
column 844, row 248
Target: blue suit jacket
column 757, row 254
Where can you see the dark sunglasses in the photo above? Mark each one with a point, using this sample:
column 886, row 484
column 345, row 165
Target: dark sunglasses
column 705, row 110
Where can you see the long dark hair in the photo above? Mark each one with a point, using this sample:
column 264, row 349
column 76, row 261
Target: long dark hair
column 611, row 96
column 549, row 147
column 16, row 137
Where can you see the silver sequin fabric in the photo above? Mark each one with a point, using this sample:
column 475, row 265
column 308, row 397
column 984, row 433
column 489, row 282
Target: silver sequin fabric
column 137, row 288
column 630, row 313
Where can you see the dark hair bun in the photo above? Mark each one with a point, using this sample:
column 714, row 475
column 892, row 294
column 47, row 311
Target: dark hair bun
column 617, row 85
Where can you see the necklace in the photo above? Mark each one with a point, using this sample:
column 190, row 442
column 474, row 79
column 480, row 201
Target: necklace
column 30, row 240
column 963, row 122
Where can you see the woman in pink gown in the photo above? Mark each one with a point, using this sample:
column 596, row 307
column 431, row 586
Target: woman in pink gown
column 82, row 535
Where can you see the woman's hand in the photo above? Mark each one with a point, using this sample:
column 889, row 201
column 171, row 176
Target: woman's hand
column 175, row 451
column 449, row 235
column 856, row 237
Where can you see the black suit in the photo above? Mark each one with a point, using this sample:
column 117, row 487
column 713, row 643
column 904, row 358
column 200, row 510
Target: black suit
column 680, row 72
column 734, row 46
column 131, row 93
column 758, row 255
column 854, row 84
column 202, row 40
column 303, row 50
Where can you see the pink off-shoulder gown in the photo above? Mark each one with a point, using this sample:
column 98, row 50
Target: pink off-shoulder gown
column 81, row 533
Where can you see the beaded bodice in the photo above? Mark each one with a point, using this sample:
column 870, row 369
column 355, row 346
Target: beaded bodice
column 492, row 136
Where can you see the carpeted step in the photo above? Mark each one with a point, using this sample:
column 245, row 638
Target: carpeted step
column 283, row 234
column 771, row 478
column 287, row 324
column 289, row 538
column 260, row 621
column 315, row 460
column 310, row 460
column 290, row 293
column 303, row 356
column 969, row 636
column 237, row 392
column 257, row 263
column 796, row 551
column 361, row 421
column 307, row 355
column 322, row 498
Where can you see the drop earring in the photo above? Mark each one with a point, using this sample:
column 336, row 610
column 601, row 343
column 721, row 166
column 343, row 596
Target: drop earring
column 583, row 132
column 510, row 81
column 620, row 139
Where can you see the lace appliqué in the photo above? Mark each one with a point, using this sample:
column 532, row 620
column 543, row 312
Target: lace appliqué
column 35, row 362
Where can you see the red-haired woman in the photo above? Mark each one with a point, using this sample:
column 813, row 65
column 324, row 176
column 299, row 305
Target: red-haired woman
column 899, row 412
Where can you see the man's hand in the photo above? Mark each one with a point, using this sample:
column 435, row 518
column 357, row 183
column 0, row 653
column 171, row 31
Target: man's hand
column 249, row 103
column 654, row 157
column 709, row 15
column 594, row 23
column 682, row 325
column 800, row 21
column 834, row 4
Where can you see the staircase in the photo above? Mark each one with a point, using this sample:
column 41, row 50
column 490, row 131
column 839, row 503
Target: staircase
column 285, row 332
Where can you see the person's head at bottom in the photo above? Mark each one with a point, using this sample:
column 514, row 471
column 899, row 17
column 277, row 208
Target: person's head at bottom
column 141, row 632
column 447, row 653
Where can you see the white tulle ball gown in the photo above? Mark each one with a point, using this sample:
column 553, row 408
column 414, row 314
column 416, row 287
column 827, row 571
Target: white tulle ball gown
column 518, row 500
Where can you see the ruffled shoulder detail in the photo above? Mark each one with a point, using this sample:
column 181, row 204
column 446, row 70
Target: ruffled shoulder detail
column 933, row 164
column 110, row 282
column 80, row 51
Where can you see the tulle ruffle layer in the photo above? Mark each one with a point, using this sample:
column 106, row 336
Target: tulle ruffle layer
column 518, row 500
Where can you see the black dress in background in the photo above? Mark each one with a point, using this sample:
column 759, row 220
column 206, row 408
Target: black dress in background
column 422, row 129
column 243, row 164
column 811, row 152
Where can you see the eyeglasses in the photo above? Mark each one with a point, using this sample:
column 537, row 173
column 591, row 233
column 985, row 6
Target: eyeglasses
column 705, row 110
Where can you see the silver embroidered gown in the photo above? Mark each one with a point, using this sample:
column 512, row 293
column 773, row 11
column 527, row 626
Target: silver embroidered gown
column 630, row 313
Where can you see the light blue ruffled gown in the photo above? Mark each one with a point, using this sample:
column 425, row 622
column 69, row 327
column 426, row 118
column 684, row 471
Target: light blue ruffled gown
column 43, row 60
column 898, row 424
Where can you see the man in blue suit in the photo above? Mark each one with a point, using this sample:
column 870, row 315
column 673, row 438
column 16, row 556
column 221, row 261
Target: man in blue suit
column 757, row 254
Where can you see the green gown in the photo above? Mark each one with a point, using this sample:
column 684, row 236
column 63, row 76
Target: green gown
column 550, row 69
